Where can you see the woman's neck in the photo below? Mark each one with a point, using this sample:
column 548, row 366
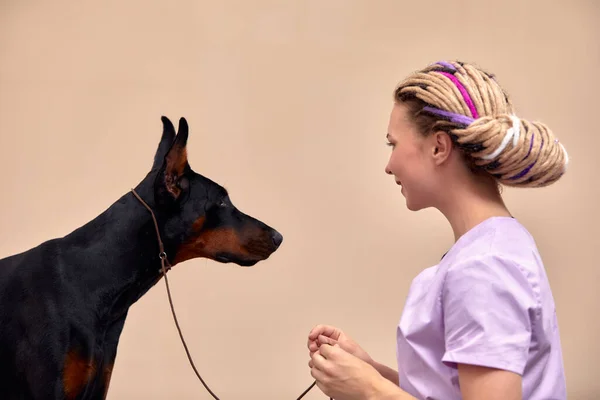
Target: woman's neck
column 471, row 202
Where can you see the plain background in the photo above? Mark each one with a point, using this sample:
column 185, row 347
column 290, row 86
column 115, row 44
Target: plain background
column 288, row 104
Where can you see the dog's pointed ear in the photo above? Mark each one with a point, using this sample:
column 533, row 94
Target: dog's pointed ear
column 166, row 141
column 171, row 181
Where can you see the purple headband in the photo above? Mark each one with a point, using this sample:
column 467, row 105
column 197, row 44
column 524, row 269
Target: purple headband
column 446, row 64
column 457, row 118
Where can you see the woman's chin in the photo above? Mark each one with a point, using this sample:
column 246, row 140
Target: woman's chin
column 411, row 204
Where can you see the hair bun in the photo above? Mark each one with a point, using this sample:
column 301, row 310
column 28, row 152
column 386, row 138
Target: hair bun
column 515, row 151
column 469, row 104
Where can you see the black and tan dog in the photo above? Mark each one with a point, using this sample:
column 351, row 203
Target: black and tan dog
column 63, row 303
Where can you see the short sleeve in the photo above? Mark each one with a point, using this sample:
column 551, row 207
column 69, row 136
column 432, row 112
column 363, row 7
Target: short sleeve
column 489, row 308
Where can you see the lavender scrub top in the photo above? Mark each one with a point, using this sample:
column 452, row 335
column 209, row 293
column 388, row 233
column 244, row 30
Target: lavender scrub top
column 488, row 302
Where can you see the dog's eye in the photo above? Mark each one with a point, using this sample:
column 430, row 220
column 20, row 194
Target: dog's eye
column 222, row 203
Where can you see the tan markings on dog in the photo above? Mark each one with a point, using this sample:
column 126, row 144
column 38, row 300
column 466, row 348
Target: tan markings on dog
column 176, row 162
column 77, row 373
column 210, row 242
column 107, row 374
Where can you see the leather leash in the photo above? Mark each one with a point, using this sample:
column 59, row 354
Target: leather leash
column 166, row 266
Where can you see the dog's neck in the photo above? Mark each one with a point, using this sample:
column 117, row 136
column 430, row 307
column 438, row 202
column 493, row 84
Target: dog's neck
column 114, row 259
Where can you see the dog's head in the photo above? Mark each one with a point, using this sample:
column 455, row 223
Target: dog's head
column 197, row 213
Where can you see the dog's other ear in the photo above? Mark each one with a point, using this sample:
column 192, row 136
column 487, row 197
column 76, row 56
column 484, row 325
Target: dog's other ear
column 166, row 141
column 171, row 181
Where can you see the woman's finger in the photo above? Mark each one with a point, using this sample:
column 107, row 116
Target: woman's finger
column 326, row 340
column 326, row 330
column 318, row 375
column 318, row 361
column 328, row 351
column 315, row 332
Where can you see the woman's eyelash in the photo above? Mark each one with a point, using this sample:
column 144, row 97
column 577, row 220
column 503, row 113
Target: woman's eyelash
column 389, row 144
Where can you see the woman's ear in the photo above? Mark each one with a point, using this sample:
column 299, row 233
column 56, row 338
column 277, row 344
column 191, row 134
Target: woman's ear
column 441, row 147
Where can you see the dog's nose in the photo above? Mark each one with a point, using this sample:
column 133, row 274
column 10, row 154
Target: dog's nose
column 277, row 238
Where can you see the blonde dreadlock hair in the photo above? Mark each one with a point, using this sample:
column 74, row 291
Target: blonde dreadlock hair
column 468, row 104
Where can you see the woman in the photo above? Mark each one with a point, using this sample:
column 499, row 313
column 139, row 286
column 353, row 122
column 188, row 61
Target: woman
column 481, row 324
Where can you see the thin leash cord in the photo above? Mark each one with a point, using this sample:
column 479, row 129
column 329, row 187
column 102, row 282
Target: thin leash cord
column 165, row 266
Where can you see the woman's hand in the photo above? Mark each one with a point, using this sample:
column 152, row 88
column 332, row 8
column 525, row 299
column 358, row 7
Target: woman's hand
column 325, row 334
column 343, row 376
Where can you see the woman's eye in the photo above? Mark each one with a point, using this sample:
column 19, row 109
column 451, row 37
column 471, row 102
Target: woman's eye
column 389, row 144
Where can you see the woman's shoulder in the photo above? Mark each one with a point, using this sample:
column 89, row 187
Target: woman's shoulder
column 497, row 239
column 499, row 255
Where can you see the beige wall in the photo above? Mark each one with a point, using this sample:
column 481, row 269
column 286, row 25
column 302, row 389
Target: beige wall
column 296, row 94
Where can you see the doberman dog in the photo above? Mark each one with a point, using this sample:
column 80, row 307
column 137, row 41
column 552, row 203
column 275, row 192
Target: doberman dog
column 63, row 303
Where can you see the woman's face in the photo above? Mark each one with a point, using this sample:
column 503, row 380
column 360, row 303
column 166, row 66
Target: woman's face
column 411, row 162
